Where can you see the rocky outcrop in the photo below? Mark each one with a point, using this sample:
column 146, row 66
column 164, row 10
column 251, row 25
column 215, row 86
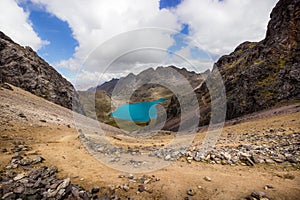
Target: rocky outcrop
column 259, row 75
column 267, row 72
column 22, row 67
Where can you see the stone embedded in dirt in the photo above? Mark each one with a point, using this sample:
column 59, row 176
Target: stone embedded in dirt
column 258, row 195
column 42, row 120
column 19, row 190
column 191, row 192
column 37, row 160
column 268, row 187
column 95, row 189
column 6, row 86
column 207, row 178
column 22, row 115
column 269, row 161
column 141, row 188
column 19, row 177
column 167, row 157
column 111, row 188
column 124, row 187
column 130, row 176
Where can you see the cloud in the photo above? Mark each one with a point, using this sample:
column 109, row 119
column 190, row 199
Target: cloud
column 220, row 26
column 95, row 22
column 217, row 26
column 14, row 22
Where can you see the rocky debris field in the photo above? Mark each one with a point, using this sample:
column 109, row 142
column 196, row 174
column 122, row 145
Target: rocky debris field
column 272, row 146
column 25, row 178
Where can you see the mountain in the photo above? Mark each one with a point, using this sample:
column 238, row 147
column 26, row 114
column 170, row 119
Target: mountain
column 149, row 85
column 22, row 67
column 257, row 75
column 107, row 86
column 152, row 84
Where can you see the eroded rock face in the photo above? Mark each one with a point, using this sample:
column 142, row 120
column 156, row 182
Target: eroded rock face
column 22, row 67
column 265, row 73
column 259, row 75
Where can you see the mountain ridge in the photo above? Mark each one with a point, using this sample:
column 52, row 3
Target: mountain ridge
column 22, row 67
column 257, row 75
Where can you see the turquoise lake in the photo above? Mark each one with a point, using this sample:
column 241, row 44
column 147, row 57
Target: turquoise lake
column 138, row 112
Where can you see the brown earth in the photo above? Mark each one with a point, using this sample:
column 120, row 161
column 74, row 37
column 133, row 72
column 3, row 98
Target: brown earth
column 61, row 147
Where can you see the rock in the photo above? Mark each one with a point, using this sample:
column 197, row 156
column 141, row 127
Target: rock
column 259, row 195
column 95, row 189
column 268, row 187
column 64, row 184
column 227, row 156
column 207, row 178
column 8, row 195
column 125, row 187
column 278, row 160
column 22, row 115
column 292, row 159
column 130, row 176
column 4, row 150
column 19, row 177
column 111, row 188
column 19, row 190
column 37, row 160
column 42, row 120
column 141, row 188
column 256, row 159
column 167, row 157
column 269, row 161
column 6, row 86
column 191, row 192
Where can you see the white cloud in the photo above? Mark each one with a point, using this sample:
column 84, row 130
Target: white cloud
column 221, row 26
column 94, row 22
column 217, row 26
column 14, row 23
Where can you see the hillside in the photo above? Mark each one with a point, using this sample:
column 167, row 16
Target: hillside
column 257, row 75
column 22, row 67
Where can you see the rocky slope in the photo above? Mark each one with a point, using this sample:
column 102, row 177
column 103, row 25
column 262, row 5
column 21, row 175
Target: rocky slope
column 23, row 68
column 258, row 75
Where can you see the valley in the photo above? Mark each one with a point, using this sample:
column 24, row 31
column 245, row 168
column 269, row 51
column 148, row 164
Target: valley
column 54, row 137
column 230, row 131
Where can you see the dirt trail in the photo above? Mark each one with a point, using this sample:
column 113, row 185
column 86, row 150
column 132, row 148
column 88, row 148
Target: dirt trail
column 61, row 147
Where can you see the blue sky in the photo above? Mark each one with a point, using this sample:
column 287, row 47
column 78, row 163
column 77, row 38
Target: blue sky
column 50, row 28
